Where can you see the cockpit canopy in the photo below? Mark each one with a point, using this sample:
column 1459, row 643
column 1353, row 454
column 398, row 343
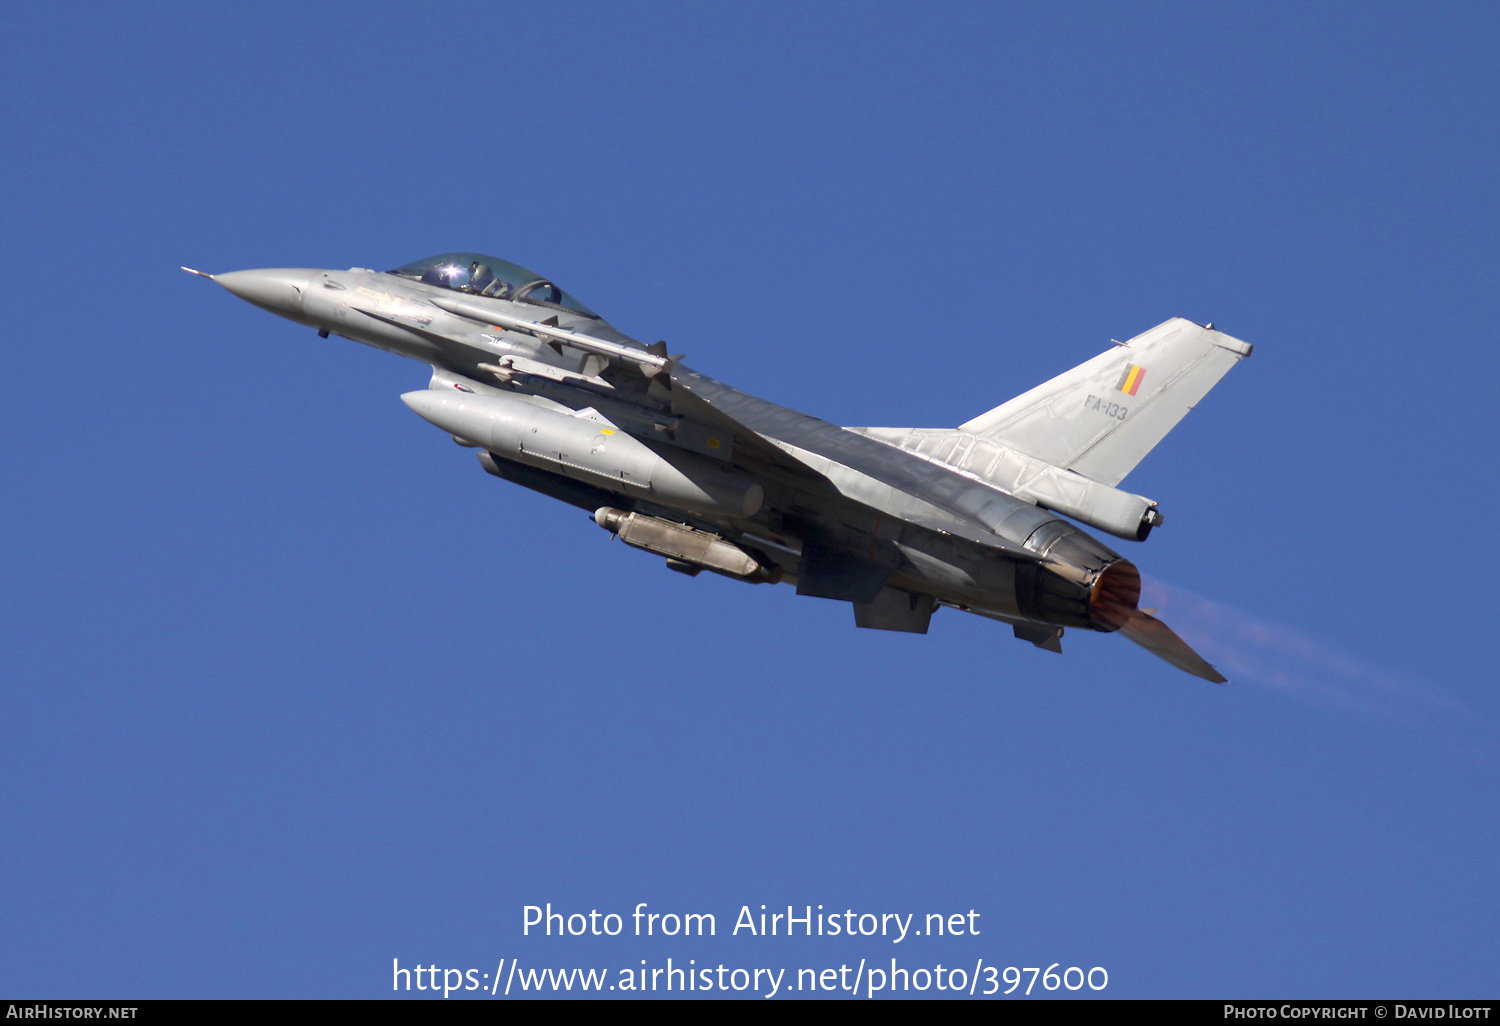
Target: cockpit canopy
column 482, row 275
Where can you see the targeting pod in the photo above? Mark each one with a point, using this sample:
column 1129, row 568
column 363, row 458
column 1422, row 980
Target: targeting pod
column 686, row 545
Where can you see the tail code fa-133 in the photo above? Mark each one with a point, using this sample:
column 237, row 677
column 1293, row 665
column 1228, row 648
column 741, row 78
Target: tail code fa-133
column 895, row 521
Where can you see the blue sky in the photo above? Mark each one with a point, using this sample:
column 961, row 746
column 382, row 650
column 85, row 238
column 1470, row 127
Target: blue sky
column 291, row 688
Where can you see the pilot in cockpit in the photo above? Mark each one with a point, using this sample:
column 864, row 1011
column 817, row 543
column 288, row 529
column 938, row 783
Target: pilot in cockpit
column 483, row 281
column 480, row 275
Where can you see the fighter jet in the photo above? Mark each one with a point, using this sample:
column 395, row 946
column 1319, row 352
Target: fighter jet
column 895, row 521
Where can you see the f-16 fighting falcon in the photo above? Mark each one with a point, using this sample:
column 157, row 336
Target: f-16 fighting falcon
column 894, row 521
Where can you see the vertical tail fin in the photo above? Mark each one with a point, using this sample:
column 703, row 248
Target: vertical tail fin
column 1102, row 417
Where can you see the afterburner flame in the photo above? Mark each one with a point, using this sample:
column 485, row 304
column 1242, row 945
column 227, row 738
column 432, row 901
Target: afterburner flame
column 1116, row 592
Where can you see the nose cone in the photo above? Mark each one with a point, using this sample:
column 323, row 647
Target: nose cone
column 277, row 289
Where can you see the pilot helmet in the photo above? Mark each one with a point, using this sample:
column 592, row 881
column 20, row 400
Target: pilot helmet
column 480, row 276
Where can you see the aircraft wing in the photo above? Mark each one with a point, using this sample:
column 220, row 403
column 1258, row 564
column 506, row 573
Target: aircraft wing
column 755, row 422
column 701, row 398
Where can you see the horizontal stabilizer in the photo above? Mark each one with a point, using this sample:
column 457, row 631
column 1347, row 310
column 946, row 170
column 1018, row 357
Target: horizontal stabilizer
column 1103, row 416
column 1161, row 641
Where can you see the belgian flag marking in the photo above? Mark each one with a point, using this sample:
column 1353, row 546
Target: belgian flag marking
column 1130, row 381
